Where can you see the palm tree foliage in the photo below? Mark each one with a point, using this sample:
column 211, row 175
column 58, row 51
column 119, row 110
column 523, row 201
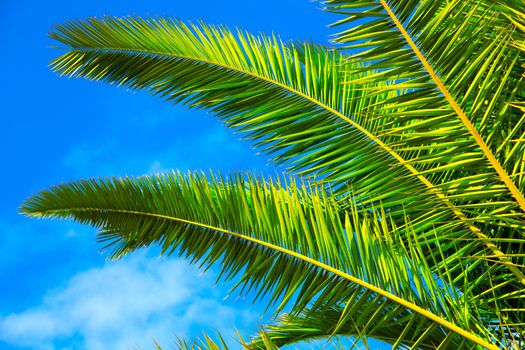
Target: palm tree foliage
column 409, row 136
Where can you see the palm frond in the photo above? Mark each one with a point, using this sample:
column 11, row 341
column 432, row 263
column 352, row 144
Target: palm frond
column 456, row 64
column 291, row 108
column 291, row 242
column 292, row 329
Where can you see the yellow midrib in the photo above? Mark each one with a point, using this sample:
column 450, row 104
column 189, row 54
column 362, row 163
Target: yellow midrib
column 477, row 232
column 417, row 309
column 516, row 193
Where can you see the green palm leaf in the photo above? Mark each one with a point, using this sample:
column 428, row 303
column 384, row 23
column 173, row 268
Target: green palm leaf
column 290, row 242
column 457, row 65
column 295, row 109
column 293, row 102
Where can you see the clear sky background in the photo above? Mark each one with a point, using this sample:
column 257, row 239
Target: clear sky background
column 58, row 291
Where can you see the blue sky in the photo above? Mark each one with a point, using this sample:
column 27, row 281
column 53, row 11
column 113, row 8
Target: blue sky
column 58, row 290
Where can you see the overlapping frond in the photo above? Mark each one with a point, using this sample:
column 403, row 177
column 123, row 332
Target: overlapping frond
column 460, row 56
column 293, row 102
column 289, row 241
column 420, row 135
column 457, row 70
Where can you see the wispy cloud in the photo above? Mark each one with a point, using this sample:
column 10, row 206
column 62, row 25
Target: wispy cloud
column 124, row 304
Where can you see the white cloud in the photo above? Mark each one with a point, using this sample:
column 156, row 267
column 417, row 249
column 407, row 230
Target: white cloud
column 156, row 168
column 125, row 304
